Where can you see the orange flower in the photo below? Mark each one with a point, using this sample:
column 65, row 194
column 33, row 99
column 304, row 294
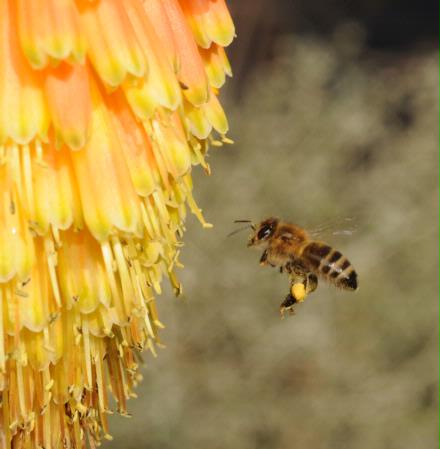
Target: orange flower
column 104, row 107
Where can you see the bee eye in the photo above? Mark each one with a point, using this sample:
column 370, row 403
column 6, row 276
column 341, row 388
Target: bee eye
column 264, row 232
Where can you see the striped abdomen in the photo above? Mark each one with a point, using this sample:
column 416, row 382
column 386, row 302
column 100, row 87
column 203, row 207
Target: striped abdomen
column 330, row 264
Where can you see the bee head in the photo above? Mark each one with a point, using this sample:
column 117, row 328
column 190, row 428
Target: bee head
column 263, row 232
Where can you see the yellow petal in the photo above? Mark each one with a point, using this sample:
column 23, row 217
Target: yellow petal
column 35, row 349
column 158, row 18
column 215, row 114
column 114, row 50
column 137, row 147
column 171, row 142
column 35, row 297
column 218, row 22
column 216, row 65
column 160, row 86
column 55, row 194
column 210, row 21
column 68, row 96
column 108, row 198
column 16, row 257
column 197, row 121
column 195, row 11
column 84, row 284
column 50, row 29
column 23, row 114
column 191, row 73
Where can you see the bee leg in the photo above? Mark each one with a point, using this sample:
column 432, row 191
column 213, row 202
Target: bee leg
column 288, row 304
column 263, row 258
column 287, row 267
column 264, row 261
column 311, row 283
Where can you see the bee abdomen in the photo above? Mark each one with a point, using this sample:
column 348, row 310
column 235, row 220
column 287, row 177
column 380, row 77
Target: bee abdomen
column 331, row 264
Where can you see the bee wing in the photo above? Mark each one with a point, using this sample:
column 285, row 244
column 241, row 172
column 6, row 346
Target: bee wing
column 345, row 226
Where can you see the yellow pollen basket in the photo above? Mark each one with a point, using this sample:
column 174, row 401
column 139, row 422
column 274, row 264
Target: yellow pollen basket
column 298, row 291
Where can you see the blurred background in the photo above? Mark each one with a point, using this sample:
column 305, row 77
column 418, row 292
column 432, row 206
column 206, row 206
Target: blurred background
column 334, row 112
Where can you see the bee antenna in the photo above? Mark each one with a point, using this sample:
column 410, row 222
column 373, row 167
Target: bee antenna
column 242, row 221
column 240, row 229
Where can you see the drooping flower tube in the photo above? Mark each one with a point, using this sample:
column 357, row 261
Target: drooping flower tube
column 105, row 106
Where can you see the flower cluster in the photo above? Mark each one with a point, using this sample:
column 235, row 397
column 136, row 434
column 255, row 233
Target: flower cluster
column 104, row 107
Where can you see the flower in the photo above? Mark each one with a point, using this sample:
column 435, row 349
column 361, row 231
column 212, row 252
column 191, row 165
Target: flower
column 104, row 107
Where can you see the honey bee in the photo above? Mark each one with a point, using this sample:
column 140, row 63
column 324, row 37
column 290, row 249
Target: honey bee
column 291, row 248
